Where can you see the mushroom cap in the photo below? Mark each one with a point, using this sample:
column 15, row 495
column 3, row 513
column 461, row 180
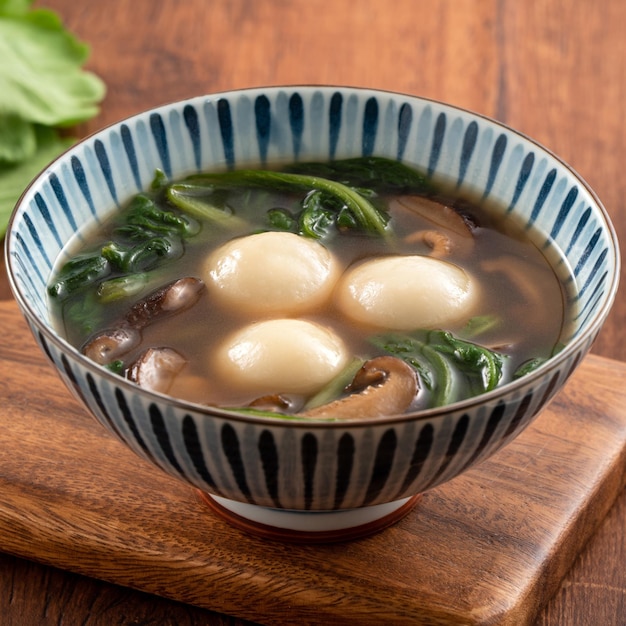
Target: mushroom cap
column 156, row 368
column 385, row 385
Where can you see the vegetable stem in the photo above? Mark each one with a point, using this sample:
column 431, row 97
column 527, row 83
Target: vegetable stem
column 191, row 198
column 336, row 386
column 364, row 212
column 444, row 362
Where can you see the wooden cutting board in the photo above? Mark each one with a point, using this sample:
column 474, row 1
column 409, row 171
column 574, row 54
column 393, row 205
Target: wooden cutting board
column 490, row 547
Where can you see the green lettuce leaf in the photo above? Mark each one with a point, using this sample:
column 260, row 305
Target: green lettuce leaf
column 41, row 75
column 43, row 87
column 19, row 139
column 15, row 8
column 14, row 178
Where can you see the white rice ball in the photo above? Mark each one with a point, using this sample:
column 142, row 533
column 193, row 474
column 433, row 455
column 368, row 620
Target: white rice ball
column 281, row 356
column 272, row 273
column 406, row 293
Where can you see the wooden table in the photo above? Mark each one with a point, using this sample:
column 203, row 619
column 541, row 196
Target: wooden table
column 554, row 69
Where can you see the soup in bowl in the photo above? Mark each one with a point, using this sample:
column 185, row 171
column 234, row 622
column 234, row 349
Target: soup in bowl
column 312, row 299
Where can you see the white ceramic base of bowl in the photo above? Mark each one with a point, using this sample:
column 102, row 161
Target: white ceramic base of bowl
column 309, row 526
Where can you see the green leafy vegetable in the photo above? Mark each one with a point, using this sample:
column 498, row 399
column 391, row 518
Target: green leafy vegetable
column 78, row 272
column 144, row 220
column 479, row 325
column 370, row 218
column 19, row 139
column 142, row 256
column 388, row 175
column 160, row 180
column 528, row 366
column 449, row 368
column 281, row 219
column 116, row 367
column 317, row 219
column 195, row 200
column 335, row 196
column 41, row 72
column 84, row 314
column 145, row 236
column 441, row 376
column 262, row 413
column 15, row 177
column 43, row 87
column 336, row 386
column 122, row 287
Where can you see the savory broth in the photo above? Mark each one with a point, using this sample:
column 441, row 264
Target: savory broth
column 516, row 308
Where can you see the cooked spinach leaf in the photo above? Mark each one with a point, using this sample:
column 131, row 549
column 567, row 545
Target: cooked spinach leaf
column 196, row 200
column 449, row 368
column 145, row 236
column 388, row 175
column 528, row 366
column 370, row 218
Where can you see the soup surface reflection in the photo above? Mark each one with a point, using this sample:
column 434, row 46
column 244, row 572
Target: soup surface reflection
column 295, row 279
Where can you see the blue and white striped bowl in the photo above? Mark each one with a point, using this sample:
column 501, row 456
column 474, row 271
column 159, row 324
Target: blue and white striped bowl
column 265, row 469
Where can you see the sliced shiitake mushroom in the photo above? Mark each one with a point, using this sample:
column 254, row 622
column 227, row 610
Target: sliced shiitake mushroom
column 456, row 233
column 174, row 297
column 113, row 343
column 384, row 385
column 273, row 402
column 156, row 369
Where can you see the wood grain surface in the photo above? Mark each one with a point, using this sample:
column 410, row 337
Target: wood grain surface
column 554, row 69
column 489, row 547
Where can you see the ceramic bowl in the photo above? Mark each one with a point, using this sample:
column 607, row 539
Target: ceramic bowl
column 312, row 479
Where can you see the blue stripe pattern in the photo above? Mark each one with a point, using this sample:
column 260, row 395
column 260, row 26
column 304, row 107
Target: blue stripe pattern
column 105, row 168
column 524, row 174
column 263, row 126
column 226, row 129
column 435, row 149
column 81, row 180
column 334, row 122
column 496, row 161
column 370, row 126
column 192, row 124
column 405, row 121
column 296, row 122
column 290, row 464
column 469, row 143
column 193, row 461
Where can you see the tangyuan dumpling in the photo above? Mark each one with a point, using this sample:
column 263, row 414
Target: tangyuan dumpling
column 407, row 292
column 272, row 273
column 281, row 356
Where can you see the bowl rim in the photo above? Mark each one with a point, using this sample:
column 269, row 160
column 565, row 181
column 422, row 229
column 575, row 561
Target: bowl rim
column 552, row 363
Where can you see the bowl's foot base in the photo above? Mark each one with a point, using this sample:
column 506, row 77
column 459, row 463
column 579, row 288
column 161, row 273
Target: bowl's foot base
column 309, row 526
